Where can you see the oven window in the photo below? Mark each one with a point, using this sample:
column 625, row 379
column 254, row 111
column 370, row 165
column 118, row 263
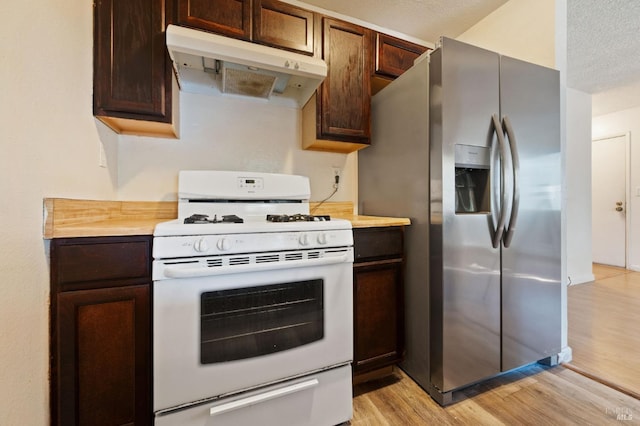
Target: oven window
column 249, row 322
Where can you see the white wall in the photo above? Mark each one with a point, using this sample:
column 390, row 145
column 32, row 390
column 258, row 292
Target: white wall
column 229, row 134
column 49, row 147
column 614, row 124
column 578, row 187
column 522, row 29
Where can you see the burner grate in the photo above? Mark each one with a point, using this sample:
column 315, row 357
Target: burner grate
column 297, row 218
column 203, row 218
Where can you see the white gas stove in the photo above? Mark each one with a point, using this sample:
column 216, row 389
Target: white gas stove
column 253, row 305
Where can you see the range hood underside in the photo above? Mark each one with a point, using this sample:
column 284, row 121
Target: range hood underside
column 210, row 64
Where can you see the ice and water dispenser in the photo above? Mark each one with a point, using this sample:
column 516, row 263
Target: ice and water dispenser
column 472, row 179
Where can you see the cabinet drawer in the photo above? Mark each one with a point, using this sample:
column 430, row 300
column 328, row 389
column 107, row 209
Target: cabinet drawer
column 378, row 243
column 82, row 260
column 275, row 405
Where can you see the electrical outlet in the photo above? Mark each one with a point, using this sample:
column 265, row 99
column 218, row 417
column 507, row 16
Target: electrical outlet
column 102, row 156
column 336, row 176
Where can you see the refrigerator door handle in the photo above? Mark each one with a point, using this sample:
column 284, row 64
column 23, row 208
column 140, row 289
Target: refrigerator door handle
column 502, row 219
column 515, row 161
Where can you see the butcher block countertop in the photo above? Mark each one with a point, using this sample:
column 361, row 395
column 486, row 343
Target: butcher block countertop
column 69, row 218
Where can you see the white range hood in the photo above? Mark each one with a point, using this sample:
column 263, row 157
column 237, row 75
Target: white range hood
column 211, row 64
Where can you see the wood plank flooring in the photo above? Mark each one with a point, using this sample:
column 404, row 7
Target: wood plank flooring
column 604, row 327
column 533, row 395
column 604, row 333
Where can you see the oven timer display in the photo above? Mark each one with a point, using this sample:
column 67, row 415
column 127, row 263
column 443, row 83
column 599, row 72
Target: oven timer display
column 250, row 183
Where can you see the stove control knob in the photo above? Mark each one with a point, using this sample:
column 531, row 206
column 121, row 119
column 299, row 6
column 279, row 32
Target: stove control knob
column 200, row 245
column 223, row 244
column 322, row 238
column 303, row 239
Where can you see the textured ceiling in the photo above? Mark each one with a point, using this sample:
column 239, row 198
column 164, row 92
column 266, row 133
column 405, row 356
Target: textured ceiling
column 603, row 37
column 603, row 52
column 603, row 43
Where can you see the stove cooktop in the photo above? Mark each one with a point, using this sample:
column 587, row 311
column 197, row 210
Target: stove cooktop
column 232, row 218
column 246, row 225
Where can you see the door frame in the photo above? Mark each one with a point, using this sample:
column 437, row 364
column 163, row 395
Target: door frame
column 627, row 192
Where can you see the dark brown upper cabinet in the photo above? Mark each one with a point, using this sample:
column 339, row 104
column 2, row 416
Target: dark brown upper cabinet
column 281, row 25
column 269, row 22
column 393, row 56
column 338, row 118
column 132, row 76
column 231, row 18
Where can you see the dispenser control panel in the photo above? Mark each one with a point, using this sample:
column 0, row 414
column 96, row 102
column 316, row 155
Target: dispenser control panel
column 475, row 157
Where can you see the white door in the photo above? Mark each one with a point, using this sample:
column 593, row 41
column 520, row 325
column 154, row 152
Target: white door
column 608, row 177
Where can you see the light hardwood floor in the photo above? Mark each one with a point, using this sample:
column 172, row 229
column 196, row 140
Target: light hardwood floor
column 604, row 333
column 604, row 327
column 534, row 395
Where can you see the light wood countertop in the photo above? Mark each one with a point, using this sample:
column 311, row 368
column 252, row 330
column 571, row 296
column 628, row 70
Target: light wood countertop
column 69, row 218
column 360, row 221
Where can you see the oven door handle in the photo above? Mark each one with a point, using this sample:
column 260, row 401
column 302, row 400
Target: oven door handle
column 187, row 271
column 263, row 397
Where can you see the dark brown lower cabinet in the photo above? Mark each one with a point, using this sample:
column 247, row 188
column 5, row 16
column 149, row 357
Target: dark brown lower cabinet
column 378, row 286
column 101, row 331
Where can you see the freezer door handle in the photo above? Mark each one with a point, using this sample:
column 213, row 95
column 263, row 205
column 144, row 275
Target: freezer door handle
column 515, row 201
column 502, row 219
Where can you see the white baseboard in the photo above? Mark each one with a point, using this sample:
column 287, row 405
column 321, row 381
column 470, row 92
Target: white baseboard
column 635, row 268
column 581, row 279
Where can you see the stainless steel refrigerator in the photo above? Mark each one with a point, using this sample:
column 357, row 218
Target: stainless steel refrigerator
column 466, row 143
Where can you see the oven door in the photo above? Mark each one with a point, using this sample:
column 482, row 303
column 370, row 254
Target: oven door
column 222, row 334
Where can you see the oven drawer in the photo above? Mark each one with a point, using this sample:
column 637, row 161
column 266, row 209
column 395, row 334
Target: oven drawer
column 303, row 401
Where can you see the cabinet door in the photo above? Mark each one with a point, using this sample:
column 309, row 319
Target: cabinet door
column 281, row 25
column 345, row 96
column 394, row 56
column 227, row 17
column 378, row 315
column 103, row 357
column 132, row 69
